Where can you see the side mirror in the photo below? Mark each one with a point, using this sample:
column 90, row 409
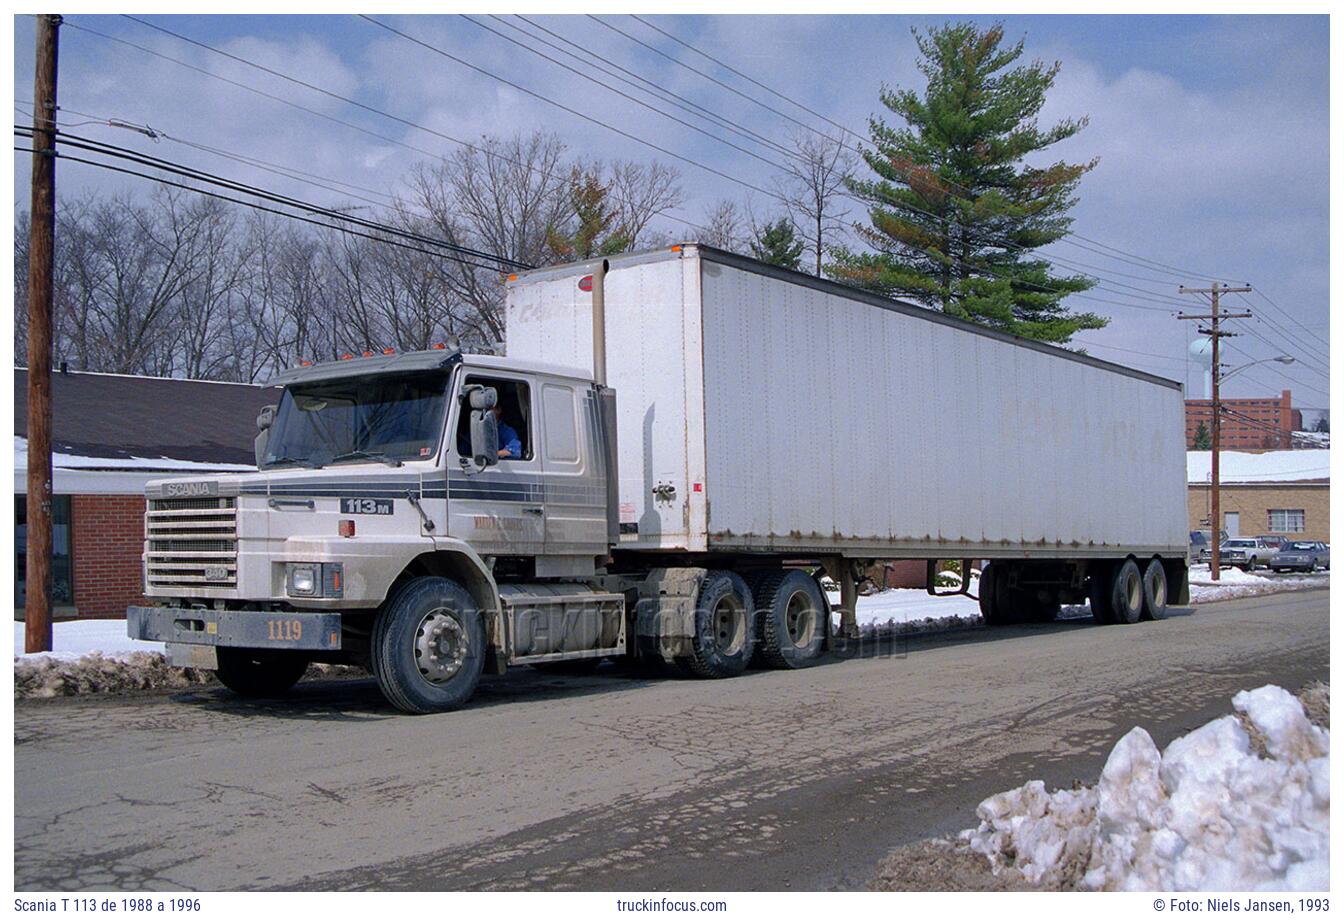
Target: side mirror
column 484, row 427
column 265, row 419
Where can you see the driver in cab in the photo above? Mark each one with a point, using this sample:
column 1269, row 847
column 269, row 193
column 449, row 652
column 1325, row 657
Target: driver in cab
column 510, row 446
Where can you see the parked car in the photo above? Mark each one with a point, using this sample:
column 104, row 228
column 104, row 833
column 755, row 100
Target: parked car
column 1302, row 556
column 1246, row 553
column 1275, row 540
column 1200, row 545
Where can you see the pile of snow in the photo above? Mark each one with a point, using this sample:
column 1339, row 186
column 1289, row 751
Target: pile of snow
column 73, row 639
column 1239, row 804
column 1236, row 583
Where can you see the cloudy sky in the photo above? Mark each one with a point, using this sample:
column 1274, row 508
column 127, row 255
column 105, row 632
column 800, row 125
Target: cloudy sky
column 1212, row 133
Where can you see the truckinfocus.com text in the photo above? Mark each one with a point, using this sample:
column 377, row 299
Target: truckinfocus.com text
column 652, row 905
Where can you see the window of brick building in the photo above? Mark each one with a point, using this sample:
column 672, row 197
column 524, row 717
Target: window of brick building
column 62, row 560
column 1287, row 520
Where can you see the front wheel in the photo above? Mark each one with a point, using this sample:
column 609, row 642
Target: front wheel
column 256, row 672
column 428, row 646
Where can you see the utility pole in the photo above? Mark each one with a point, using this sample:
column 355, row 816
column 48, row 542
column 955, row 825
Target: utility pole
column 41, row 247
column 1214, row 334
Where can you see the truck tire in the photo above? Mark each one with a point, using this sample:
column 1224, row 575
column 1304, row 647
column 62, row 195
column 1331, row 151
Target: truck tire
column 994, row 607
column 428, row 646
column 791, row 620
column 1100, row 585
column 258, row 672
column 1154, row 591
column 725, row 633
column 1127, row 592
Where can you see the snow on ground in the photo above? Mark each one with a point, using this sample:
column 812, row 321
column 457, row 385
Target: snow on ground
column 73, row 639
column 1242, row 803
column 1236, row 583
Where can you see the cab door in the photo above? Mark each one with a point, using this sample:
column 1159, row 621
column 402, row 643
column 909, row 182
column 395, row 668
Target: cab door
column 499, row 510
column 576, row 518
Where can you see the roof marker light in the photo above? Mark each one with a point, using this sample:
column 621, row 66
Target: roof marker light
column 439, row 346
column 676, row 249
column 513, row 277
column 347, row 356
column 368, row 354
column 389, row 351
column 305, row 364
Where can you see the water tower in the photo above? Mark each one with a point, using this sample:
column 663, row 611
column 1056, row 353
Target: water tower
column 1201, row 350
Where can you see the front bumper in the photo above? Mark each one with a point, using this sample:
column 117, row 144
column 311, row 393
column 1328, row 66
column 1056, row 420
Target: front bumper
column 236, row 628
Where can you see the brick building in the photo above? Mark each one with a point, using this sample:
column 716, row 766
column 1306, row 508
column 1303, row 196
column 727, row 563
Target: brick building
column 1248, row 424
column 1284, row 492
column 110, row 435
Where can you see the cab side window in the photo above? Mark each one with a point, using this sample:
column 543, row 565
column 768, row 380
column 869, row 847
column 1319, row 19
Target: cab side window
column 513, row 414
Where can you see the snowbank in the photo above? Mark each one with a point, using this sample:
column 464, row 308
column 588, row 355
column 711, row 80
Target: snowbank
column 73, row 639
column 1242, row 803
column 1236, row 583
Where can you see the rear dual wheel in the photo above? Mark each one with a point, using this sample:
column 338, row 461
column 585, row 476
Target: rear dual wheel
column 725, row 634
column 1124, row 593
column 790, row 620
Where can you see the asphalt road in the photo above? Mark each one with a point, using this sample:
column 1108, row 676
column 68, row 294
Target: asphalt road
column 774, row 780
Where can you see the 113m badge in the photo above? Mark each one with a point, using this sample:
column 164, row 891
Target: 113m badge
column 366, row 506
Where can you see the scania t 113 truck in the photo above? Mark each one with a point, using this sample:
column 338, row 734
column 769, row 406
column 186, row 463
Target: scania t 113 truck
column 676, row 447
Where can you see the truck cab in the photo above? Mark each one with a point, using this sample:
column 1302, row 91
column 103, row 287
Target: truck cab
column 376, row 476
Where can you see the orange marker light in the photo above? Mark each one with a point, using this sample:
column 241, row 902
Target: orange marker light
column 389, row 351
column 347, row 356
column 513, row 277
column 676, row 249
column 439, row 346
column 305, row 364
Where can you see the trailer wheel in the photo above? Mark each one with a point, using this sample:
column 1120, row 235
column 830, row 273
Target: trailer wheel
column 1127, row 592
column 1154, row 591
column 791, row 620
column 258, row 672
column 1101, row 580
column 725, row 634
column 994, row 607
column 428, row 646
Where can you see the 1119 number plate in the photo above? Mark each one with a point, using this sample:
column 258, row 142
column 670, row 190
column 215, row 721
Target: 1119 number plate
column 366, row 506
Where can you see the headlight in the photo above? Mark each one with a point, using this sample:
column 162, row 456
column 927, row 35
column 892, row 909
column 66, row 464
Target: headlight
column 312, row 579
column 302, row 580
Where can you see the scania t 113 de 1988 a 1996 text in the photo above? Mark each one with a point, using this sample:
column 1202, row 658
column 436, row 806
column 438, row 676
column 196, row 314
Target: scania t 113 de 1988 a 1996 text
column 675, row 448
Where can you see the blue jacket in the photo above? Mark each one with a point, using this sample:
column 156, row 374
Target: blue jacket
column 508, row 440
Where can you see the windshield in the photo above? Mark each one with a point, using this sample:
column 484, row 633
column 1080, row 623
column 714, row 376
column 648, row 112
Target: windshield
column 392, row 418
column 1240, row 542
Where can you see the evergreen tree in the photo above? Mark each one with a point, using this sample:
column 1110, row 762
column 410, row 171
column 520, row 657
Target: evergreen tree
column 955, row 212
column 1203, row 439
column 778, row 244
column 594, row 229
column 1323, row 425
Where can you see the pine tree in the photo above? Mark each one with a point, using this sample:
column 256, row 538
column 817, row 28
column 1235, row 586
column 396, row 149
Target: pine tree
column 778, row 244
column 955, row 212
column 594, row 231
column 1203, row 439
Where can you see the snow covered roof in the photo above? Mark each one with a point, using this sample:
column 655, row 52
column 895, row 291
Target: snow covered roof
column 116, row 419
column 1270, row 466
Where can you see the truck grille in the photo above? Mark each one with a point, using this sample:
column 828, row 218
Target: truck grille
column 191, row 542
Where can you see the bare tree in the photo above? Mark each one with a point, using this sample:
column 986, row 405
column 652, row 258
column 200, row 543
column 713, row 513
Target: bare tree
column 725, row 226
column 813, row 189
column 639, row 192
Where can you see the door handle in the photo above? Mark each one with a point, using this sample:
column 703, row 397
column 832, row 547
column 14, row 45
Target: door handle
column 531, row 511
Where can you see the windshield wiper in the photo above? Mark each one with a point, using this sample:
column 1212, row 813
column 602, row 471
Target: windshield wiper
column 301, row 461
column 366, row 454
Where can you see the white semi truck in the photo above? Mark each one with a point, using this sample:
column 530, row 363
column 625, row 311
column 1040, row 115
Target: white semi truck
column 677, row 445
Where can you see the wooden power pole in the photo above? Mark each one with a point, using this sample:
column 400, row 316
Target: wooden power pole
column 1214, row 333
column 41, row 246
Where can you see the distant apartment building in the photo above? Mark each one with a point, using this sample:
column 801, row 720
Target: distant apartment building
column 1259, row 423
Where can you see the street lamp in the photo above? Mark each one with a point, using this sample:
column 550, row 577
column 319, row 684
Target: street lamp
column 1281, row 359
column 1215, row 524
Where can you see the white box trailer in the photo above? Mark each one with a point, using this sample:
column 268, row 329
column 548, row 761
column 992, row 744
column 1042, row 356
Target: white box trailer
column 761, row 410
column 670, row 493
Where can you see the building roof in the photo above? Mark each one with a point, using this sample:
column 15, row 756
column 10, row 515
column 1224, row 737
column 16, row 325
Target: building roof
column 1238, row 467
column 112, row 421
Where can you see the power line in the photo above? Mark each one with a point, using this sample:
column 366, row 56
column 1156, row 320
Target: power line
column 141, row 159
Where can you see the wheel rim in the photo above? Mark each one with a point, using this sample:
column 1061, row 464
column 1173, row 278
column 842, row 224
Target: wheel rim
column 800, row 619
column 1159, row 589
column 1134, row 590
column 730, row 625
column 441, row 645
